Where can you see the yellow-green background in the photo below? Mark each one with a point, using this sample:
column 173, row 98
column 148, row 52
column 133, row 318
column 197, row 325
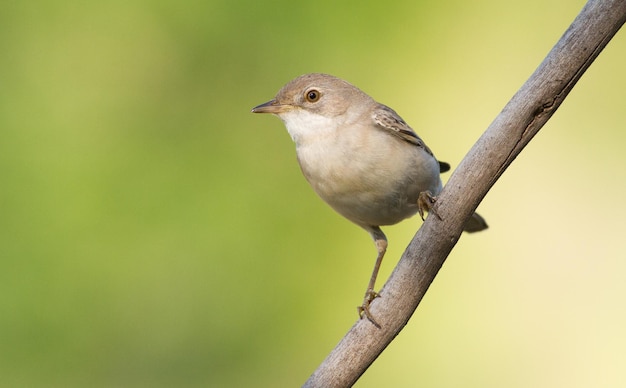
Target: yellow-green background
column 155, row 233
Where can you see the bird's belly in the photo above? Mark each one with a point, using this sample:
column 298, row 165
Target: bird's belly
column 372, row 208
column 370, row 191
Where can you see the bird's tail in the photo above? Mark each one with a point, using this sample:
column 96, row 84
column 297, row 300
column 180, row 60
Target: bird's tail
column 475, row 224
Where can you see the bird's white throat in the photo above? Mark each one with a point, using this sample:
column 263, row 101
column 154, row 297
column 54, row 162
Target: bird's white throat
column 306, row 127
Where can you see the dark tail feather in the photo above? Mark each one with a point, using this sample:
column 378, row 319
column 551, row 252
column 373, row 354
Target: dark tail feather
column 475, row 224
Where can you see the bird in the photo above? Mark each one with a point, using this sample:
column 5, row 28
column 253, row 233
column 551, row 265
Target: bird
column 361, row 158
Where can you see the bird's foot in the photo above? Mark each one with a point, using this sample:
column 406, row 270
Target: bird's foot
column 364, row 309
column 426, row 203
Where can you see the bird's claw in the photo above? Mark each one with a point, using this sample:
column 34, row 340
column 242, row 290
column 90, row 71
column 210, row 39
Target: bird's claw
column 426, row 203
column 364, row 309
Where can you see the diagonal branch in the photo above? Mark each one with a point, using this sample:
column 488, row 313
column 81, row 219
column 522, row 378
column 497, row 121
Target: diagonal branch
column 520, row 120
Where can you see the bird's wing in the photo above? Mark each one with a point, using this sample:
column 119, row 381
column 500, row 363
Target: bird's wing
column 387, row 119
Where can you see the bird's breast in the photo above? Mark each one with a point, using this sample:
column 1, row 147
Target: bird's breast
column 369, row 182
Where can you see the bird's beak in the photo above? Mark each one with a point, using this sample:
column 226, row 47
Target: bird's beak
column 272, row 106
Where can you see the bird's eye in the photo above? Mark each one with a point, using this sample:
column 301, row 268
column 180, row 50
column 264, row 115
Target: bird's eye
column 312, row 95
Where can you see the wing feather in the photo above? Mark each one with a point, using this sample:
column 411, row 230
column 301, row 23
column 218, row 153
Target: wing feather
column 388, row 120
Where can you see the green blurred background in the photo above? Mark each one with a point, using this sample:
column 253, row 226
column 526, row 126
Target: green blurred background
column 154, row 233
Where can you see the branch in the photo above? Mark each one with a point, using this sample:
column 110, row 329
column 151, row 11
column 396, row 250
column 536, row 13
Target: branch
column 529, row 109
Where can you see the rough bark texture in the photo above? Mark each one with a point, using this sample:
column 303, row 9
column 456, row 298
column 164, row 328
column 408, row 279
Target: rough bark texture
column 529, row 109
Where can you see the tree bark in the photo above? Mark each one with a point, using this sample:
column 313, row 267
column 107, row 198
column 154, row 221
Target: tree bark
column 524, row 115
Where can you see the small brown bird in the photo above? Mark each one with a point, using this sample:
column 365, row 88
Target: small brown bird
column 360, row 157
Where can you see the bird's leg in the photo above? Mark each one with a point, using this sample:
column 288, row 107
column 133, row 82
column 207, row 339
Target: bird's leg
column 381, row 244
column 426, row 202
